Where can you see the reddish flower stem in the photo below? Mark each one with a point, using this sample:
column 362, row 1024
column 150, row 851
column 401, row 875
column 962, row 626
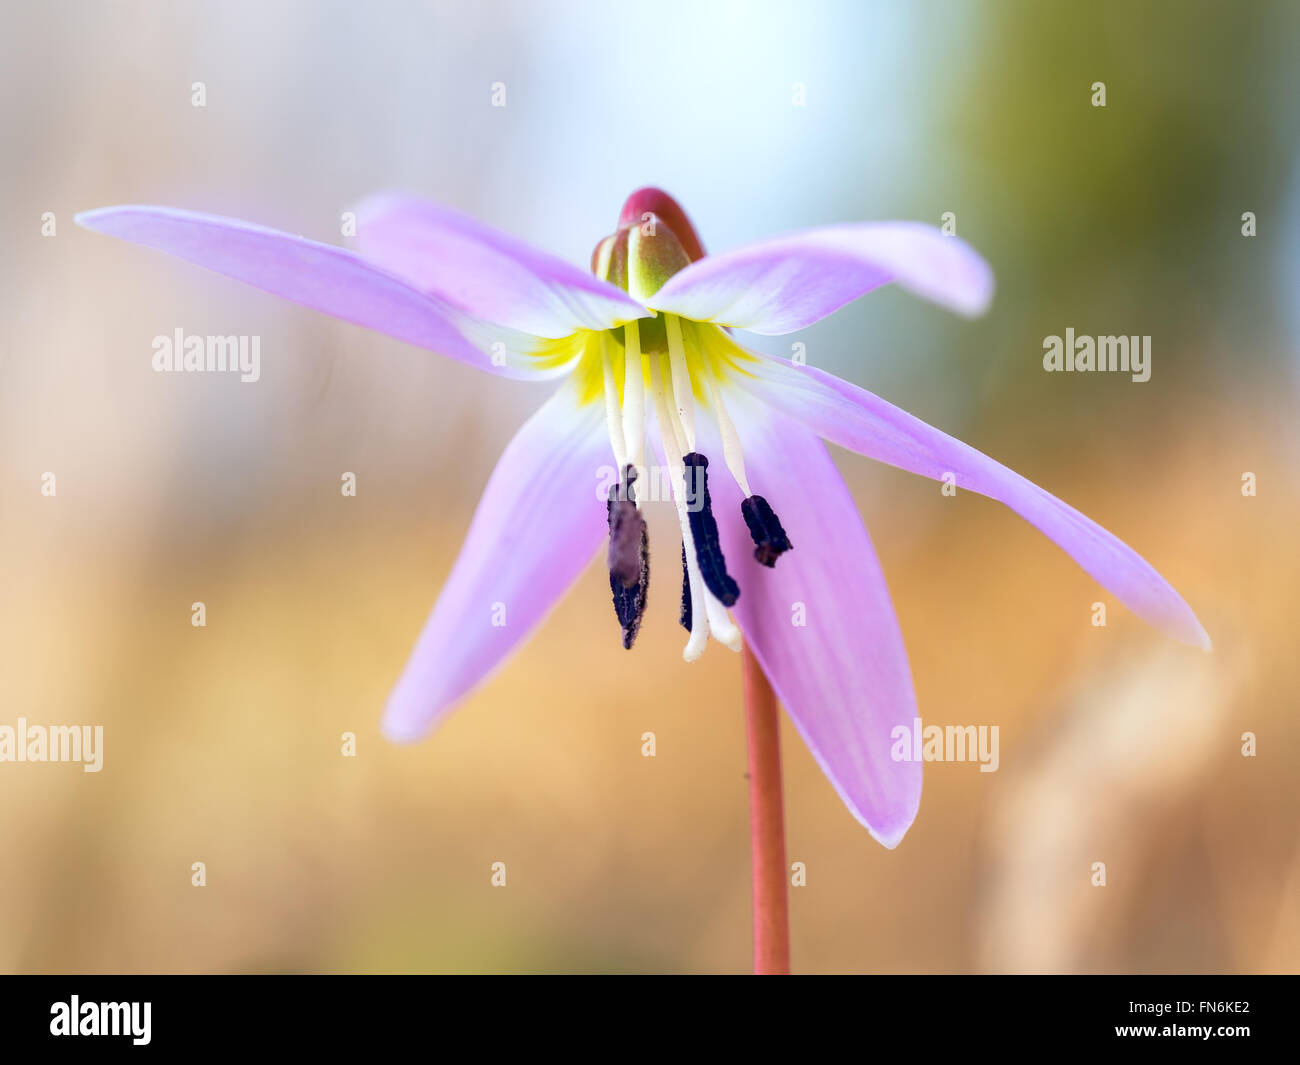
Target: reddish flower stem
column 766, row 823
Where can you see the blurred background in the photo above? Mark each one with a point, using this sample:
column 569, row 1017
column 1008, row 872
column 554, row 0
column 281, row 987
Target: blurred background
column 223, row 743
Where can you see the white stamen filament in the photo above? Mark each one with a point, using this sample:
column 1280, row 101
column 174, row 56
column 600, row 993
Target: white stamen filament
column 665, row 388
column 681, row 378
column 633, row 397
column 723, row 629
column 731, row 453
column 700, row 626
column 613, row 417
column 714, row 614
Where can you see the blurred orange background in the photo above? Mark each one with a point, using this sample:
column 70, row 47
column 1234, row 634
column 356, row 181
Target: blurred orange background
column 222, row 744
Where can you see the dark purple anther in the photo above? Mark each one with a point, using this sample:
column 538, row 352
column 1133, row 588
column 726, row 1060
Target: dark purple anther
column 770, row 540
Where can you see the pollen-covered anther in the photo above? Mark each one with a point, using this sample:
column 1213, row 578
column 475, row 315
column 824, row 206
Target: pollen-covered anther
column 770, row 540
column 629, row 556
column 704, row 531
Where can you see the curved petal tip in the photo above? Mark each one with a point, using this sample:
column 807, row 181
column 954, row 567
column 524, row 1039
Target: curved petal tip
column 401, row 725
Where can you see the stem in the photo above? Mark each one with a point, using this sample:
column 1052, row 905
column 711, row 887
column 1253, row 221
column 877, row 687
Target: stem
column 766, row 823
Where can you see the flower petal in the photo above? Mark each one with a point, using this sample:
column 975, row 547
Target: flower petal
column 324, row 278
column 856, row 419
column 539, row 523
column 485, row 272
column 842, row 674
column 788, row 282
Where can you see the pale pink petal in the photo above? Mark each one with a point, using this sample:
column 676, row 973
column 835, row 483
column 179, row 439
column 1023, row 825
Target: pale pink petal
column 856, row 419
column 540, row 521
column 788, row 282
column 821, row 622
column 325, row 278
column 485, row 272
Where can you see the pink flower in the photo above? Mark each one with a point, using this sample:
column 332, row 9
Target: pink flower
column 644, row 347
